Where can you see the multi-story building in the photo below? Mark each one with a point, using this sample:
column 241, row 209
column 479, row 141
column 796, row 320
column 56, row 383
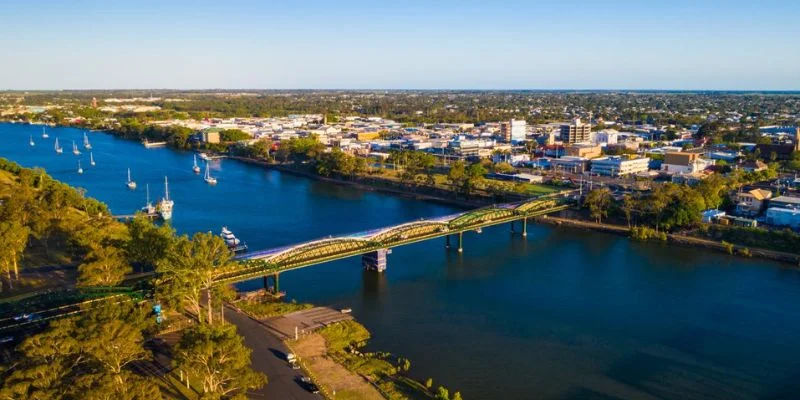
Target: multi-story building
column 618, row 166
column 513, row 131
column 751, row 202
column 572, row 164
column 576, row 132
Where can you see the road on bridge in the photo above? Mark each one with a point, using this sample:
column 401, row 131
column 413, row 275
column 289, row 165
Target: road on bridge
column 269, row 357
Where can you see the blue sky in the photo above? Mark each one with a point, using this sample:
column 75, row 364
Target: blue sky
column 408, row 44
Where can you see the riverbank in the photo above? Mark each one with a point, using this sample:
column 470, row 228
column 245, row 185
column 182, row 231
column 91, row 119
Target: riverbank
column 330, row 353
column 683, row 240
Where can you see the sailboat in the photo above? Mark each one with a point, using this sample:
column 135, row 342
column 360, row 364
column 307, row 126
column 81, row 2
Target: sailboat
column 58, row 148
column 80, row 170
column 164, row 206
column 208, row 178
column 195, row 168
column 91, row 159
column 131, row 184
column 75, row 149
column 86, row 144
column 31, row 142
column 149, row 208
column 44, row 134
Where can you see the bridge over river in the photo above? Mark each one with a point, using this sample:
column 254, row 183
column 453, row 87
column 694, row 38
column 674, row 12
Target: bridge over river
column 374, row 244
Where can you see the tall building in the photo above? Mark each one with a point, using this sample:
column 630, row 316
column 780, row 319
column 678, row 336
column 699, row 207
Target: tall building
column 513, row 131
column 576, row 132
column 518, row 130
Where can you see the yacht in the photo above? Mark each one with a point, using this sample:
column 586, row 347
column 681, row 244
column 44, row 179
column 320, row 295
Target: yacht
column 208, row 178
column 80, row 170
column 195, row 167
column 165, row 206
column 86, row 144
column 44, row 134
column 205, row 156
column 91, row 159
column 31, row 142
column 131, row 184
column 232, row 241
column 149, row 208
column 75, row 149
column 58, row 148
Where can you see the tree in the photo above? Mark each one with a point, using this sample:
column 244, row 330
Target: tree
column 217, row 357
column 190, row 269
column 148, row 243
column 14, row 240
column 105, row 266
column 503, row 168
column 456, row 396
column 429, row 383
column 457, row 174
column 598, row 201
column 627, row 207
column 442, row 393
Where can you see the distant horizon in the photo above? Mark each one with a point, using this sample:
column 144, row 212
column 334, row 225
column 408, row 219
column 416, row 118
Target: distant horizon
column 243, row 89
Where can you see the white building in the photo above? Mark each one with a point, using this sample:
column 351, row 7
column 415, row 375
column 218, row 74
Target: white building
column 606, row 137
column 518, row 130
column 617, row 166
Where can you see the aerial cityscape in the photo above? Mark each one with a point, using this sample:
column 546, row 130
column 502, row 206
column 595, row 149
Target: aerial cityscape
column 451, row 200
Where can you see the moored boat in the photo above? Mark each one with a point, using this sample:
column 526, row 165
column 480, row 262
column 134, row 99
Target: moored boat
column 233, row 243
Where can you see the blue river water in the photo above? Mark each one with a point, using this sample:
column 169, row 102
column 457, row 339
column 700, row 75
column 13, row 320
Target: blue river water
column 561, row 314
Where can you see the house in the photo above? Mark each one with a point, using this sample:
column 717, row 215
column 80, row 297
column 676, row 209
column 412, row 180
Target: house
column 785, row 202
column 753, row 166
column 684, row 163
column 751, row 202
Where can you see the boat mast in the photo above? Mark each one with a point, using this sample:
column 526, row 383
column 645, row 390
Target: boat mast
column 166, row 189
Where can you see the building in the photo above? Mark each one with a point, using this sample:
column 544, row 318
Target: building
column 752, row 201
column 778, row 216
column 572, row 164
column 618, row 166
column 513, row 131
column 785, row 202
column 684, row 163
column 753, row 166
column 606, row 137
column 584, row 150
column 211, row 135
column 576, row 132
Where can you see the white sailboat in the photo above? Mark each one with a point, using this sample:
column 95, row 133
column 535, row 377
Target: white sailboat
column 80, row 170
column 195, row 167
column 31, row 142
column 131, row 184
column 75, row 149
column 58, row 148
column 91, row 159
column 165, row 205
column 149, row 208
column 86, row 144
column 44, row 134
column 208, row 178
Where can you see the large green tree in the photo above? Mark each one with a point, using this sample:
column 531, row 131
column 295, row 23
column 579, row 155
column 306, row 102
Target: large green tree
column 217, row 357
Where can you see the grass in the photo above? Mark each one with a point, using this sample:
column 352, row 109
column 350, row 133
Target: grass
column 269, row 308
column 343, row 335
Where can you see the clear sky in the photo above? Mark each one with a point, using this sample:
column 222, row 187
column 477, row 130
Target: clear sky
column 406, row 44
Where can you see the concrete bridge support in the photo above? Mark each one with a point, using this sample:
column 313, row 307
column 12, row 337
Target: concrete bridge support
column 275, row 281
column 375, row 261
column 460, row 242
column 524, row 227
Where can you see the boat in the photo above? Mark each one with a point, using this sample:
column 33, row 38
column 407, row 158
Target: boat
column 149, row 209
column 195, row 167
column 58, row 148
column 205, row 157
column 75, row 149
column 165, row 206
column 86, row 144
column 149, row 145
column 131, row 184
column 31, row 142
column 44, row 134
column 91, row 159
column 233, row 243
column 80, row 170
column 208, row 178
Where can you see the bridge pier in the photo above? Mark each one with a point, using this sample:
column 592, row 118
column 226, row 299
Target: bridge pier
column 375, row 261
column 524, row 227
column 460, row 242
column 447, row 242
column 275, row 281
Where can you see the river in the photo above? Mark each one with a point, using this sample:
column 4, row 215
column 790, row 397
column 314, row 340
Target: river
column 563, row 314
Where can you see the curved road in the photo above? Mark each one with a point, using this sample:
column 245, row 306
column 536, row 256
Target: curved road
column 269, row 357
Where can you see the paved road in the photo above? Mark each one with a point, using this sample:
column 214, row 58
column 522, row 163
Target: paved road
column 269, row 357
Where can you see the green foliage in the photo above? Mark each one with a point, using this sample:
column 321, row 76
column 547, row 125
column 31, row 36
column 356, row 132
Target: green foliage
column 644, row 233
column 344, row 335
column 233, row 135
column 84, row 357
column 149, row 243
column 217, row 357
column 340, row 163
column 465, row 178
column 429, row 383
column 266, row 309
column 781, row 240
column 300, row 149
column 103, row 266
column 598, row 202
column 728, row 247
column 442, row 393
